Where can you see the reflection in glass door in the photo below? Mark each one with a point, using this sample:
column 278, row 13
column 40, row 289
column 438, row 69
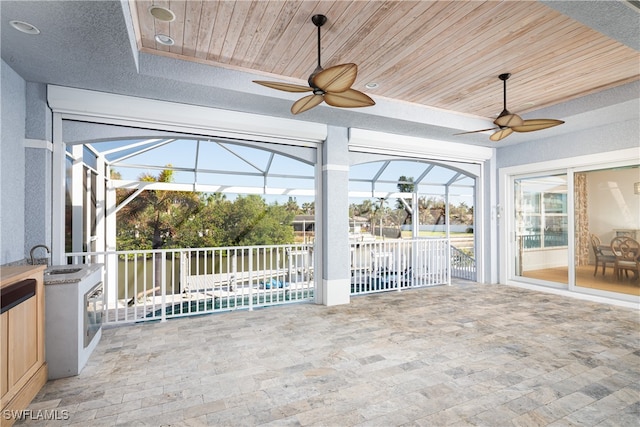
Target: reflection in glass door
column 541, row 228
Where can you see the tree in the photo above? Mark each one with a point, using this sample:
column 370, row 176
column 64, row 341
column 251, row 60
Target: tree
column 406, row 185
column 250, row 221
column 204, row 229
column 153, row 219
column 292, row 205
column 309, row 208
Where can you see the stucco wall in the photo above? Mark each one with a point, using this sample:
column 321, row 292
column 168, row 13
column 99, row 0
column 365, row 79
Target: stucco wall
column 38, row 120
column 611, row 137
column 12, row 166
column 37, row 190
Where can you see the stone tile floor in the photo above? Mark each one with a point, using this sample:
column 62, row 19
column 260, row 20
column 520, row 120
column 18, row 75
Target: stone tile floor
column 466, row 354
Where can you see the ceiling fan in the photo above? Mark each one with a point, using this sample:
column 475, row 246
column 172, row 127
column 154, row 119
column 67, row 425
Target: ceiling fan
column 507, row 123
column 332, row 85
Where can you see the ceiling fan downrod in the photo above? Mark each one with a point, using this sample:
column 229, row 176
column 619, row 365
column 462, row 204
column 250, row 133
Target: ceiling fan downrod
column 504, row 77
column 318, row 21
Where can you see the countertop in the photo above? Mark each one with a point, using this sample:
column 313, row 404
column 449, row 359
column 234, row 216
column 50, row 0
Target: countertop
column 71, row 277
column 14, row 273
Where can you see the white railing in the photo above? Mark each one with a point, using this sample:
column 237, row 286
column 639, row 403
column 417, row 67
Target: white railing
column 395, row 264
column 160, row 284
column 463, row 265
column 151, row 285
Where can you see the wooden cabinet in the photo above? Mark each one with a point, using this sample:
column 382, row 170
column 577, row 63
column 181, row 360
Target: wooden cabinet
column 4, row 353
column 22, row 339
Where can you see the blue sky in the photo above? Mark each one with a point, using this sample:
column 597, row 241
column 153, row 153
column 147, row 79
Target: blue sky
column 237, row 165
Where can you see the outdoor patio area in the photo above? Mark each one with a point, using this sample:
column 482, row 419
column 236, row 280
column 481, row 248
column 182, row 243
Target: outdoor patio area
column 465, row 354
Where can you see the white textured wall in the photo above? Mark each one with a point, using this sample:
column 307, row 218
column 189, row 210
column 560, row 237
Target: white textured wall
column 12, row 166
column 37, row 190
column 611, row 137
column 612, row 202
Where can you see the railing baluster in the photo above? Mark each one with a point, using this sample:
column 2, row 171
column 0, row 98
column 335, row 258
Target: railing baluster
column 126, row 289
column 251, row 279
column 163, row 289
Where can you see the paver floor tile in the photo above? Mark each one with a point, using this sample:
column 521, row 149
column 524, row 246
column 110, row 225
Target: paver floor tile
column 465, row 354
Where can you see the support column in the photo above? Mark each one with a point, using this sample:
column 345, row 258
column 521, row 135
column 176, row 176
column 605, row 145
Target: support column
column 335, row 287
column 38, row 170
column 111, row 262
column 101, row 209
column 58, row 197
column 77, row 200
column 415, row 217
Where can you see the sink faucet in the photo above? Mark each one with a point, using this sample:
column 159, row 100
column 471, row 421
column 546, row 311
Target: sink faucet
column 36, row 247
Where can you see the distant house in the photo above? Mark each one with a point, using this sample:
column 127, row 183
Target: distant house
column 358, row 224
column 306, row 223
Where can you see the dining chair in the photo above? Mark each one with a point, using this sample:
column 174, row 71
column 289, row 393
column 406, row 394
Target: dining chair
column 603, row 254
column 627, row 253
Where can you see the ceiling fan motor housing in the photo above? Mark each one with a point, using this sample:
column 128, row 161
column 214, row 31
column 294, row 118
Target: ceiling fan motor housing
column 318, row 20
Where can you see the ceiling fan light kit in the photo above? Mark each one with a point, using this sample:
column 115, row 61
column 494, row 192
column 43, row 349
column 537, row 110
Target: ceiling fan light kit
column 332, row 85
column 507, row 122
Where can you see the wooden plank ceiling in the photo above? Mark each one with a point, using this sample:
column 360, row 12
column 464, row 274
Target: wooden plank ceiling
column 444, row 54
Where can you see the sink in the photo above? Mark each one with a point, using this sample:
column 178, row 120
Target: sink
column 63, row 271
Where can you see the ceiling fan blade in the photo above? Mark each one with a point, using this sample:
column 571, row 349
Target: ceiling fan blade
column 508, row 120
column 349, row 98
column 287, row 87
column 536, row 124
column 501, row 134
column 476, row 131
column 336, row 79
column 306, row 103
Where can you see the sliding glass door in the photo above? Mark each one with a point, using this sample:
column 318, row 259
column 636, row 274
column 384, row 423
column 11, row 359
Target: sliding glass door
column 541, row 228
column 604, row 203
column 560, row 219
column 607, row 205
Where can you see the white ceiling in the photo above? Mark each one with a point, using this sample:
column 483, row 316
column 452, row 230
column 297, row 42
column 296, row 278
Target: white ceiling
column 96, row 45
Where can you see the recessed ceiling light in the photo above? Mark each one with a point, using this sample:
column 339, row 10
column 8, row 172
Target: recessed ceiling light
column 24, row 27
column 164, row 39
column 162, row 13
column 371, row 85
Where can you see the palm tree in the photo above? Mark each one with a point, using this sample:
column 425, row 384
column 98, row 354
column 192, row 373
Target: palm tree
column 154, row 217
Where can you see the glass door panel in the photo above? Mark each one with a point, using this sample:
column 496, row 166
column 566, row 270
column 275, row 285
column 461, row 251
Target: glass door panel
column 541, row 228
column 606, row 206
